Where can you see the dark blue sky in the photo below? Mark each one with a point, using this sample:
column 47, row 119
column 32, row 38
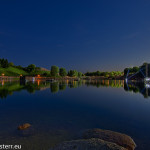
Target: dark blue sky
column 86, row 35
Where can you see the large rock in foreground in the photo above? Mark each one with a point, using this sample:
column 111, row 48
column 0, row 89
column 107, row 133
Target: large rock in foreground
column 111, row 136
column 88, row 144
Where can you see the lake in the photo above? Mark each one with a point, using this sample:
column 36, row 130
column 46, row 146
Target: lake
column 61, row 111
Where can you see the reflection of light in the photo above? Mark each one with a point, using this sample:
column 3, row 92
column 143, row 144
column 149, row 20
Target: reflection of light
column 147, row 85
column 147, row 79
column 38, row 82
column 3, row 82
column 33, row 79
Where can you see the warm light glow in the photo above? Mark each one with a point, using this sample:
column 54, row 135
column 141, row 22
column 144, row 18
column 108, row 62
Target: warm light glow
column 21, row 75
column 38, row 82
column 3, row 82
column 3, row 74
column 38, row 75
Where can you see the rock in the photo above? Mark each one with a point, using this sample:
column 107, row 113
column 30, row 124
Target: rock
column 88, row 144
column 24, row 126
column 111, row 136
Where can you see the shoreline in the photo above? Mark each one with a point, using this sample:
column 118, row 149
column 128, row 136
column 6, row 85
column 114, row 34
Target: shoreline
column 59, row 78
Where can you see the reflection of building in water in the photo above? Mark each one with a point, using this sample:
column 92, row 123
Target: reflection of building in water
column 141, row 73
column 138, row 87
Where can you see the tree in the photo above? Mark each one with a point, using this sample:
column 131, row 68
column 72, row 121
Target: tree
column 98, row 73
column 11, row 64
column 62, row 72
column 80, row 74
column 72, row 73
column 135, row 69
column 31, row 68
column 54, row 71
column 4, row 63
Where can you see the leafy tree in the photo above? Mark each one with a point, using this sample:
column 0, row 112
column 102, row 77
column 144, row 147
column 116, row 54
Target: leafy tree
column 98, row 73
column 11, row 64
column 20, row 67
column 80, row 74
column 45, row 74
column 54, row 71
column 72, row 73
column 125, row 71
column 31, row 68
column 135, row 69
column 4, row 63
column 62, row 72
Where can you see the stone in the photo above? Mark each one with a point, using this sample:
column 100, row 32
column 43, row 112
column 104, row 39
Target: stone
column 88, row 144
column 24, row 126
column 111, row 136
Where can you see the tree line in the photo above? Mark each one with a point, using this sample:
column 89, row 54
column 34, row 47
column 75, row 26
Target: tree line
column 5, row 64
column 135, row 69
column 55, row 71
column 104, row 74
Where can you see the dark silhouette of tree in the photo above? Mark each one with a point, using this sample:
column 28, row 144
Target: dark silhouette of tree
column 31, row 68
column 80, row 74
column 72, row 73
column 54, row 71
column 62, row 72
column 62, row 87
column 4, row 63
column 54, row 87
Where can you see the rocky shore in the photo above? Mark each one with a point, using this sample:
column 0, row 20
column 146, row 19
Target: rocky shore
column 98, row 139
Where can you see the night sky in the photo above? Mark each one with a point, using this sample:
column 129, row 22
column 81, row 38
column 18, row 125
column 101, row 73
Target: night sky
column 86, row 35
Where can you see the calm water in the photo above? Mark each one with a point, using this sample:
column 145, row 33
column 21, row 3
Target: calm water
column 62, row 111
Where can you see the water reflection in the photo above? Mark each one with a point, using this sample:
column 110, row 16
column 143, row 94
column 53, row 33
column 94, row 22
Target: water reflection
column 138, row 87
column 7, row 88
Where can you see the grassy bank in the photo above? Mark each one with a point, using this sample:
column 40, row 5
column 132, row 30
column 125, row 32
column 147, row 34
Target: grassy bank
column 13, row 71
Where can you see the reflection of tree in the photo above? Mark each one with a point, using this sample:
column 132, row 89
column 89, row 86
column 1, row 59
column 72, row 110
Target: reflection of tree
column 30, row 88
column 62, row 87
column 4, row 93
column 10, row 87
column 54, row 87
column 73, row 84
column 105, row 83
column 80, row 83
column 137, row 87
